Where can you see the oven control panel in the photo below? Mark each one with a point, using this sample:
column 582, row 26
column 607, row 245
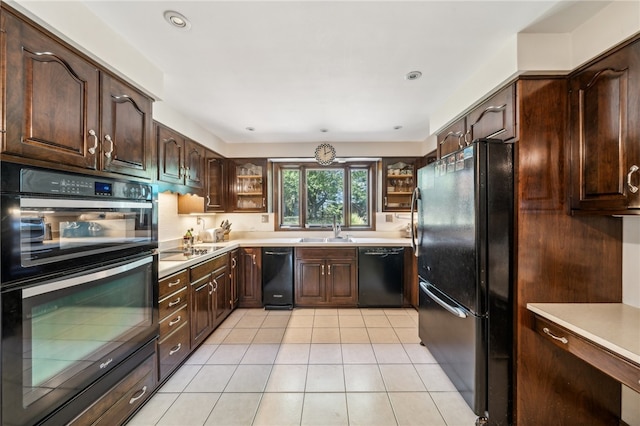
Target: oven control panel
column 56, row 183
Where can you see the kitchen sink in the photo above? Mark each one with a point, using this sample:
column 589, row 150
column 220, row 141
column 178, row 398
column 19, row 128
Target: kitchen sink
column 326, row 240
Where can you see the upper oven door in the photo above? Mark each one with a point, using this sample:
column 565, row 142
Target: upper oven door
column 47, row 235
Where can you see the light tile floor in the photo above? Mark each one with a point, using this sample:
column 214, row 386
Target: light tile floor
column 310, row 367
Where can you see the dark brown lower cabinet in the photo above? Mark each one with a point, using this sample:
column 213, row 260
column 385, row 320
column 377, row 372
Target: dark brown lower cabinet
column 250, row 277
column 209, row 300
column 326, row 277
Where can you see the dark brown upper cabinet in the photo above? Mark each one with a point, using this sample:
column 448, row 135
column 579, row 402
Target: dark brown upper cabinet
column 180, row 161
column 494, row 118
column 605, row 134
column 62, row 109
column 126, row 129
column 398, row 181
column 52, row 99
column 216, row 176
column 248, row 185
column 452, row 138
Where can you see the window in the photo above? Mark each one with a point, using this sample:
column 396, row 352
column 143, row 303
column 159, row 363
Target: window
column 309, row 196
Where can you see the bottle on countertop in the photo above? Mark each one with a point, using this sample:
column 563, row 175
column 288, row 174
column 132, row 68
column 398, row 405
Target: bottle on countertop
column 187, row 240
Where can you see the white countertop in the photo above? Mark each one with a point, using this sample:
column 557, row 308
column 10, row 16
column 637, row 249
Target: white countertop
column 169, row 267
column 615, row 326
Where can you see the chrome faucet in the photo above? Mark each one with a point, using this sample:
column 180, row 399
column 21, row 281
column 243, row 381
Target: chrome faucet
column 336, row 228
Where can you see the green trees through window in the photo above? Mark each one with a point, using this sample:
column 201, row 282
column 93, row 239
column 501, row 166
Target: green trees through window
column 311, row 196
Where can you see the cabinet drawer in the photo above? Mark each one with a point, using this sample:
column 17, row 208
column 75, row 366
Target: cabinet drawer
column 172, row 302
column 173, row 350
column 126, row 396
column 615, row 366
column 323, row 253
column 208, row 267
column 174, row 321
column 172, row 283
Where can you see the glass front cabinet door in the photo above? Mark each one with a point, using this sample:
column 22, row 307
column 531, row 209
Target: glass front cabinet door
column 248, row 185
column 398, row 183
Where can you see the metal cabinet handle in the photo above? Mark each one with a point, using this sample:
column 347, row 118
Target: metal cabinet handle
column 108, row 139
column 211, row 286
column 92, row 133
column 208, row 201
column 385, row 201
column 254, row 259
column 322, row 269
column 234, row 263
column 175, row 321
column 135, row 398
column 175, row 349
column 174, row 283
column 174, row 303
column 215, row 288
column 467, row 142
column 329, row 268
column 264, row 204
column 553, row 336
column 631, row 186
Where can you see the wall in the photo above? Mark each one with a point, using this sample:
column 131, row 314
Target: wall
column 172, row 225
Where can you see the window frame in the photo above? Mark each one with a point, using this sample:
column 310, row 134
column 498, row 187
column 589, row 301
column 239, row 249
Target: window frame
column 302, row 167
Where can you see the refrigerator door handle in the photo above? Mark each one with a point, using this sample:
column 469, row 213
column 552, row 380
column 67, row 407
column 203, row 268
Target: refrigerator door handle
column 451, row 309
column 415, row 196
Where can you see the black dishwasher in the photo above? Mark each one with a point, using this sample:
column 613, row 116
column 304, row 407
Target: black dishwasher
column 380, row 276
column 277, row 277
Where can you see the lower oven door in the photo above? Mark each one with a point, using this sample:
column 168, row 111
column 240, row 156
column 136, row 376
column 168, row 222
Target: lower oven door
column 60, row 336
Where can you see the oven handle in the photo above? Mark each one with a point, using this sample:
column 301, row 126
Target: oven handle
column 50, row 203
column 83, row 279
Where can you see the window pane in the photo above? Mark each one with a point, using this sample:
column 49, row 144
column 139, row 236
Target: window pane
column 359, row 197
column 325, row 196
column 291, row 197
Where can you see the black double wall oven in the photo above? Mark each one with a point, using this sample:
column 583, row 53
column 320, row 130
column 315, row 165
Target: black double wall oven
column 79, row 309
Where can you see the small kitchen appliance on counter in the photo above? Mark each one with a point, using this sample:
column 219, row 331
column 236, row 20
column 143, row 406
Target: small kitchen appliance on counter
column 211, row 235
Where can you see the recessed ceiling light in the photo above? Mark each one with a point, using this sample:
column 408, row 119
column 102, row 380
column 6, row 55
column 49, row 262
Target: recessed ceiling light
column 397, row 127
column 251, row 129
column 177, row 19
column 413, row 75
column 324, row 130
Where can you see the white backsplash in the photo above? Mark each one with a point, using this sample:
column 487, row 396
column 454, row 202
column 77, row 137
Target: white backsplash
column 172, row 226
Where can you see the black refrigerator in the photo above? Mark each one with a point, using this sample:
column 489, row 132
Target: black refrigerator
column 464, row 244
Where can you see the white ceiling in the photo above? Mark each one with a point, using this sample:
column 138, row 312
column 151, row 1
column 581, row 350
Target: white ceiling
column 291, row 68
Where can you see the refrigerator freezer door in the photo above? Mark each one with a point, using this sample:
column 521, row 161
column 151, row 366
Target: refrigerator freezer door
column 457, row 344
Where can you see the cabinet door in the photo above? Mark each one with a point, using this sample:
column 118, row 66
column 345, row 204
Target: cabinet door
column 310, row 287
column 451, row 138
column 233, row 279
column 194, row 164
column 605, row 136
column 52, row 100
column 201, row 309
column 250, row 278
column 398, row 183
column 220, row 295
column 494, row 118
column 341, row 283
column 248, row 185
column 126, row 129
column 170, row 155
column 216, row 183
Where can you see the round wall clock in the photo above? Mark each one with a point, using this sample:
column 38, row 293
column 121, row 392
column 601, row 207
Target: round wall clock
column 325, row 154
